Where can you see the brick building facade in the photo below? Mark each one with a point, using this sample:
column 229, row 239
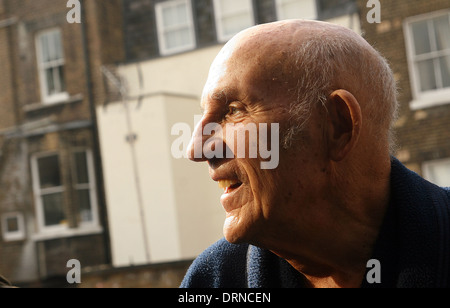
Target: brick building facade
column 414, row 36
column 143, row 33
column 52, row 206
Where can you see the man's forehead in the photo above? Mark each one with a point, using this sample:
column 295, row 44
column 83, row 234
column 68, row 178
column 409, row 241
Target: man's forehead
column 258, row 55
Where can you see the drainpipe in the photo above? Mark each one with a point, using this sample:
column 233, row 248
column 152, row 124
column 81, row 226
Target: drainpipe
column 96, row 139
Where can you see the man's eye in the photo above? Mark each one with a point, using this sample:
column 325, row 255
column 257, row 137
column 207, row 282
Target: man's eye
column 233, row 110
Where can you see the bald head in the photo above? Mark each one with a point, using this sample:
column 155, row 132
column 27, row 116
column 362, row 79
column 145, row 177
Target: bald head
column 304, row 61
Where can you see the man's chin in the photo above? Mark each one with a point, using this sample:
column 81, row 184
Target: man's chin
column 233, row 232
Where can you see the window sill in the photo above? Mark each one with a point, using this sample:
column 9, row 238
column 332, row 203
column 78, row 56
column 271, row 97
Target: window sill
column 13, row 238
column 50, row 235
column 430, row 101
column 41, row 106
column 175, row 51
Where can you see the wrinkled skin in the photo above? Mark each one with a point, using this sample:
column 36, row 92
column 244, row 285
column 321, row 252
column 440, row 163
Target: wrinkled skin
column 312, row 209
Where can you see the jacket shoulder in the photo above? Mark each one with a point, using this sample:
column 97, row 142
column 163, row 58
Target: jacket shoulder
column 222, row 265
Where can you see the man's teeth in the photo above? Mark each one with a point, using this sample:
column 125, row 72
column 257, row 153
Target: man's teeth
column 227, row 183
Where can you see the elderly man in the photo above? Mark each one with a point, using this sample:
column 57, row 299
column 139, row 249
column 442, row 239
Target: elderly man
column 338, row 210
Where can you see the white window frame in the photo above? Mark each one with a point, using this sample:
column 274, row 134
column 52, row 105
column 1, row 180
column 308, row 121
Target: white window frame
column 280, row 3
column 46, row 97
column 428, row 98
column 164, row 50
column 63, row 230
column 18, row 235
column 218, row 15
column 91, row 186
column 38, row 192
column 427, row 166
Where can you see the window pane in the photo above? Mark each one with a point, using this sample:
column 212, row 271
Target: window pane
column 82, row 176
column 421, row 37
column 60, row 76
column 49, row 76
column 84, row 205
column 53, row 40
column 55, row 80
column 12, row 224
column 228, row 7
column 291, row 9
column 444, row 63
column 178, row 38
column 175, row 15
column 45, row 48
column 53, row 209
column 49, row 173
column 427, row 75
column 57, row 45
column 181, row 14
column 51, row 46
column 442, row 32
column 331, row 5
column 234, row 24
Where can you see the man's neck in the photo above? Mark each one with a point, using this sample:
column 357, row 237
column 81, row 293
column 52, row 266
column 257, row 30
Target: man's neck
column 339, row 259
column 340, row 264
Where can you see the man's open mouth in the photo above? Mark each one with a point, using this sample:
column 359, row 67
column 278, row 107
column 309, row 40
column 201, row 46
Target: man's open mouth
column 229, row 185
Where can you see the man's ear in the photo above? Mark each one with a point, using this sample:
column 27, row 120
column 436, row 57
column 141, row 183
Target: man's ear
column 344, row 124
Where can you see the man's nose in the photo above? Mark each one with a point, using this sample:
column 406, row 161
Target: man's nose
column 195, row 148
column 207, row 142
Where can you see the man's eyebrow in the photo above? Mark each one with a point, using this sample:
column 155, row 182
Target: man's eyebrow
column 224, row 95
column 218, row 95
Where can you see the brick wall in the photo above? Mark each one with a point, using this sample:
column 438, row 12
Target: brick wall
column 141, row 39
column 45, row 126
column 422, row 134
column 34, row 17
column 7, row 116
column 15, row 196
column 167, row 275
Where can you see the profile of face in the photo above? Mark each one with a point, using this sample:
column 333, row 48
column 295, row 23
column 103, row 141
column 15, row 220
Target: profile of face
column 246, row 85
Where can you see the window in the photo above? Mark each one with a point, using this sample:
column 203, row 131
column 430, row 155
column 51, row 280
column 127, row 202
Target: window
column 51, row 192
column 232, row 16
column 84, row 186
column 294, row 9
column 335, row 7
column 48, row 191
column 438, row 172
column 51, row 66
column 13, row 227
column 175, row 26
column 428, row 48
